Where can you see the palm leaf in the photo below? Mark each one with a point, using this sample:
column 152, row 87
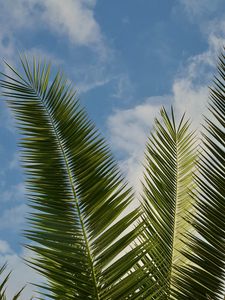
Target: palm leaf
column 77, row 195
column 170, row 161
column 204, row 279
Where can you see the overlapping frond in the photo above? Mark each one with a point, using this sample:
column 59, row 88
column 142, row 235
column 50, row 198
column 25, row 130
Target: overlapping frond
column 75, row 190
column 79, row 226
column 205, row 278
column 168, row 181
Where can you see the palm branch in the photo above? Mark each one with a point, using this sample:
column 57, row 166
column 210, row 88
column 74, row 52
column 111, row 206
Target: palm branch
column 205, row 277
column 78, row 226
column 168, row 182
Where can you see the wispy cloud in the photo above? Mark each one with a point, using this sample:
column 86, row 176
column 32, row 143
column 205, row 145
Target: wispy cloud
column 89, row 77
column 44, row 55
column 198, row 8
column 129, row 128
column 124, row 88
column 190, row 88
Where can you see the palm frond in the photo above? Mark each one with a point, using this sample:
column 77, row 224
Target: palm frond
column 168, row 181
column 75, row 190
column 205, row 278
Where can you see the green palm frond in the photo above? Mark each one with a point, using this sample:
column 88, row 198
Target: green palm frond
column 205, row 278
column 3, row 285
column 75, row 190
column 170, row 161
column 89, row 243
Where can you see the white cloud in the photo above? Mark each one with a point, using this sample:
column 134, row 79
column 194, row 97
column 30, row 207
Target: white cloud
column 71, row 18
column 129, row 130
column 129, row 127
column 191, row 100
column 75, row 19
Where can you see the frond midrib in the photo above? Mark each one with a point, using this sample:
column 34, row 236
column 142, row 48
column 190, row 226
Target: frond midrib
column 179, row 152
column 176, row 203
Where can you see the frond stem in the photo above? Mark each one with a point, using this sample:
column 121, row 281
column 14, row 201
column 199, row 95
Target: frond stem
column 175, row 210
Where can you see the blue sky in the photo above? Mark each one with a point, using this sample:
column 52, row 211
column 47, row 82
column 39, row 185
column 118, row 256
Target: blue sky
column 126, row 58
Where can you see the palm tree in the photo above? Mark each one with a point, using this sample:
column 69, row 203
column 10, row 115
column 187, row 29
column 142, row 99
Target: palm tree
column 89, row 242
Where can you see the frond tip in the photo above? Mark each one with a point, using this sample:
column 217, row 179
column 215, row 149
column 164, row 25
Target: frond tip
column 169, row 167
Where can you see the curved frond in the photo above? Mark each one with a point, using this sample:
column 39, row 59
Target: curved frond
column 205, row 278
column 75, row 190
column 170, row 161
